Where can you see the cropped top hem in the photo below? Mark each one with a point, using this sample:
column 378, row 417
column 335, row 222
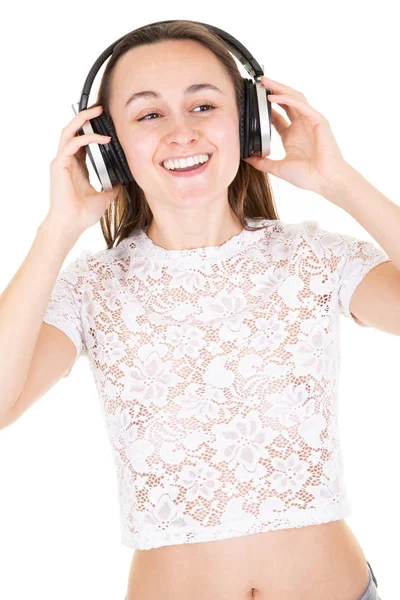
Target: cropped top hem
column 151, row 537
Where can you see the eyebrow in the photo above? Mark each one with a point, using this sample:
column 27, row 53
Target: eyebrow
column 191, row 89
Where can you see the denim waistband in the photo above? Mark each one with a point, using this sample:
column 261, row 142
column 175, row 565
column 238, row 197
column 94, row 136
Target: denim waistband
column 372, row 573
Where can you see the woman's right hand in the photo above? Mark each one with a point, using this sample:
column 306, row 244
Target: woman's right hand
column 74, row 202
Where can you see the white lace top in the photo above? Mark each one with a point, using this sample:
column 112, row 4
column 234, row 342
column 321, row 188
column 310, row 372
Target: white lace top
column 217, row 372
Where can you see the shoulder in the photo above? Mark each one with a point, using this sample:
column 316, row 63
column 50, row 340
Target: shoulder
column 110, row 262
column 321, row 241
column 289, row 234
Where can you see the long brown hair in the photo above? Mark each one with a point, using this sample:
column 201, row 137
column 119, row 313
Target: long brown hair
column 250, row 194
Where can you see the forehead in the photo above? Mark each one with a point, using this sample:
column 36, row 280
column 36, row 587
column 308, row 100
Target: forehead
column 155, row 66
column 153, row 56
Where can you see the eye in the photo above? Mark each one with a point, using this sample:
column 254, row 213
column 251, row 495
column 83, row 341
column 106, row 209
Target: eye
column 144, row 118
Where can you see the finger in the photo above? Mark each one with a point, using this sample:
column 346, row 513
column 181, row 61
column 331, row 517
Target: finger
column 293, row 104
column 280, row 88
column 76, row 123
column 291, row 110
column 266, row 165
column 73, row 145
column 279, row 122
column 81, row 155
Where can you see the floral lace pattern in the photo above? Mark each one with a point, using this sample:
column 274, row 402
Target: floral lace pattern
column 217, row 372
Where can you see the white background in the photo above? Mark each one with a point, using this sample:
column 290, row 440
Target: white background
column 59, row 516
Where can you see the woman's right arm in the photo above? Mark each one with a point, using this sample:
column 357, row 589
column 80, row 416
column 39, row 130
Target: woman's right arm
column 34, row 354
column 23, row 304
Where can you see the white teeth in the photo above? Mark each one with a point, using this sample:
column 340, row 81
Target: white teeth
column 181, row 163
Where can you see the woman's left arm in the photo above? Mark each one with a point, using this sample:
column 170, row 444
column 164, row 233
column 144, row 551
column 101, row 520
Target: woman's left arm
column 376, row 300
column 314, row 162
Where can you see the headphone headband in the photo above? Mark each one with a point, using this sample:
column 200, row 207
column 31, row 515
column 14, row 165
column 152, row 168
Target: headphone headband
column 242, row 54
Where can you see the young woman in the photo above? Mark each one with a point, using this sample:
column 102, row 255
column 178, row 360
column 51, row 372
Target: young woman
column 211, row 327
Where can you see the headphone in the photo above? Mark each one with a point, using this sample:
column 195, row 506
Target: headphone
column 109, row 160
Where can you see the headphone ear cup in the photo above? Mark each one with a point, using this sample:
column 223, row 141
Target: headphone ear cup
column 112, row 153
column 243, row 122
column 253, row 123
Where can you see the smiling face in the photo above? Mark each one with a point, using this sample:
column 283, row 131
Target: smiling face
column 177, row 124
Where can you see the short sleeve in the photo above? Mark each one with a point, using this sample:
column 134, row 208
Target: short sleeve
column 65, row 304
column 348, row 258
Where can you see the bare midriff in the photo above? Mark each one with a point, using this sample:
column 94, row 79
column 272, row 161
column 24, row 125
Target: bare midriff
column 317, row 562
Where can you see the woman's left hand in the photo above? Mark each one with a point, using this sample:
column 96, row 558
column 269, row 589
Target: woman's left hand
column 313, row 157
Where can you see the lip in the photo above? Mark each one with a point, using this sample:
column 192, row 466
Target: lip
column 189, row 173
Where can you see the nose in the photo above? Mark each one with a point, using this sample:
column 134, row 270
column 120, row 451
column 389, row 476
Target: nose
column 181, row 131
